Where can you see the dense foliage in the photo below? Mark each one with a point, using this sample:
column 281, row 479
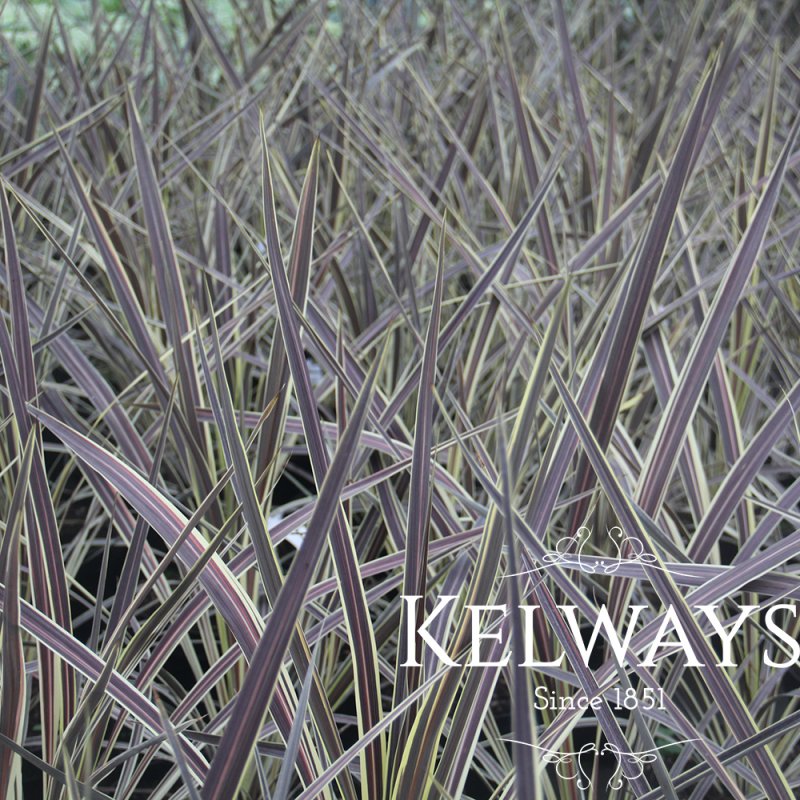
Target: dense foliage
column 309, row 309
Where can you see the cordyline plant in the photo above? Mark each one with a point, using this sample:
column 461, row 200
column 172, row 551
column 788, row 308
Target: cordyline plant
column 398, row 400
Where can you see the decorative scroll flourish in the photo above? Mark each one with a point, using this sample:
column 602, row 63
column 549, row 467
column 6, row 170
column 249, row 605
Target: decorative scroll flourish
column 635, row 761
column 569, row 553
column 569, row 765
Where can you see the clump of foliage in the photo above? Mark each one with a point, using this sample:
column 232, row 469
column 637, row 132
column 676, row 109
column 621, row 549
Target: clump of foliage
column 320, row 306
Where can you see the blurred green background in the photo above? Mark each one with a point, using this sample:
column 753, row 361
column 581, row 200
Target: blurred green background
column 22, row 20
